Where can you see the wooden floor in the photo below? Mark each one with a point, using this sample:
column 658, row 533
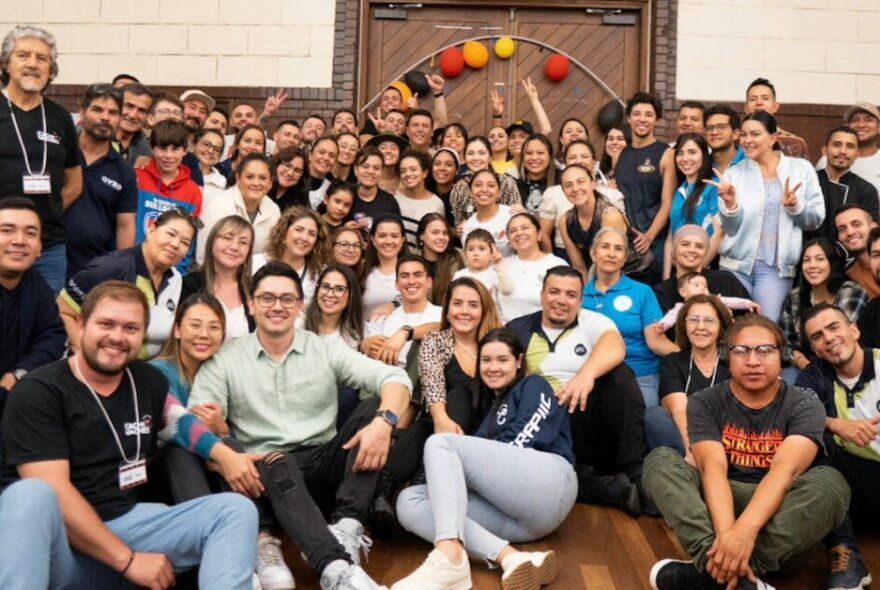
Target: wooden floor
column 598, row 549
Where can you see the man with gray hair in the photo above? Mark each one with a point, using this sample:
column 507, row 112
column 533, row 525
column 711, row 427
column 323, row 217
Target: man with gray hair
column 38, row 145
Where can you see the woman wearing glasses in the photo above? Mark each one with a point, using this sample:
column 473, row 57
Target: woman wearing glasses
column 347, row 248
column 226, row 273
column 290, row 186
column 208, row 147
column 699, row 331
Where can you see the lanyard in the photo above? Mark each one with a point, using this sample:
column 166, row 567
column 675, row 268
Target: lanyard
column 687, row 385
column 27, row 163
column 137, row 416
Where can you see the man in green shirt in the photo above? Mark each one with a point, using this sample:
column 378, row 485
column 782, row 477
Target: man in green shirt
column 277, row 389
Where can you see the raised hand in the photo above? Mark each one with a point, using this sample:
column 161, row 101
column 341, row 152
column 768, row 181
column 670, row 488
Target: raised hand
column 726, row 190
column 436, row 83
column 273, row 103
column 531, row 90
column 789, row 194
column 497, row 102
column 413, row 101
column 378, row 121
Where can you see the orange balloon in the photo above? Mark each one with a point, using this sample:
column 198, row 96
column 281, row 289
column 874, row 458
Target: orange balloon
column 405, row 92
column 475, row 54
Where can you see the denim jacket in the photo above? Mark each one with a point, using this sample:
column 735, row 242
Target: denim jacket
column 742, row 227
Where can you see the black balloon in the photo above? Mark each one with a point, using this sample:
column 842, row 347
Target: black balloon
column 609, row 115
column 417, row 82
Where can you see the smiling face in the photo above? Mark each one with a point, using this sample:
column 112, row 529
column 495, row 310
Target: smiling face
column 395, row 123
column 689, row 120
column 516, row 139
column 580, row 154
column 277, row 319
column 168, row 159
column 615, row 141
column 338, row 204
column 413, row 282
column 312, row 129
column 19, row 241
column 689, row 252
column 435, row 238
column 216, row 120
column 453, row 138
column 301, row 238
column 465, row 310
column 412, row 175
column 30, row 63
column 689, row 159
column 369, row 171
column 112, row 335
column 719, row 133
column 135, row 110
column 390, row 100
column 323, row 157
column 348, row 149
column 642, row 120
column 485, row 190
column 560, row 301
column 418, row 130
column 243, row 114
column 572, row 130
column 498, row 140
column 254, row 180
column 536, row 158
column 290, row 172
column 756, row 140
column 390, row 153
column 343, row 122
column 853, row 227
column 443, row 168
column 231, row 248
column 498, row 365
column 704, row 328
column 251, row 142
column 842, row 150
column 832, row 336
column 200, row 333
column 195, row 113
column 333, row 293
column 522, row 235
column 609, row 253
column 208, row 149
column 577, row 186
column 388, row 239
column 167, row 244
column 815, row 266
column 347, row 248
column 476, row 156
column 866, row 126
column 287, row 135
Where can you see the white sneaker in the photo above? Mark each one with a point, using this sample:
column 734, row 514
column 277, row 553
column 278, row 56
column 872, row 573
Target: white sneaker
column 350, row 534
column 341, row 575
column 255, row 582
column 528, row 570
column 438, row 573
column 271, row 569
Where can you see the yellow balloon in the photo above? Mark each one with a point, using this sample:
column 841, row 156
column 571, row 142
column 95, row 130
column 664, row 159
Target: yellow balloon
column 405, row 92
column 475, row 54
column 504, row 47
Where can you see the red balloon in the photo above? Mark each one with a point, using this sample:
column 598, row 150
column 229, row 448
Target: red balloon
column 451, row 62
column 556, row 67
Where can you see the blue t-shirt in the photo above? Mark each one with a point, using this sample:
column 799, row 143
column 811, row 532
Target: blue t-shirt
column 632, row 306
column 705, row 209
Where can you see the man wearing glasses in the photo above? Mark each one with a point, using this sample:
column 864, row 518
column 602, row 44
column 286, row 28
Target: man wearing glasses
column 277, row 389
column 752, row 505
column 721, row 130
column 102, row 219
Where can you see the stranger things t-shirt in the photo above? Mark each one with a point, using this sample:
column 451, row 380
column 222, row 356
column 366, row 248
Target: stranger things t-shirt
column 751, row 437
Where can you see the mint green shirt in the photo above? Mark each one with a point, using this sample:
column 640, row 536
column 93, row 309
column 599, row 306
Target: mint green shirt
column 286, row 405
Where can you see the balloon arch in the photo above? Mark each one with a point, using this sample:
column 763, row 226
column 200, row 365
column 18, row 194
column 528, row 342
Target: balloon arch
column 558, row 67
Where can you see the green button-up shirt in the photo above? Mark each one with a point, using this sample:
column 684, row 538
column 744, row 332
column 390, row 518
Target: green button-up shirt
column 291, row 403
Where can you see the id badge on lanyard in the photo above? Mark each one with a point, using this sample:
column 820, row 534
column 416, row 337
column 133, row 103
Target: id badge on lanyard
column 133, row 474
column 36, row 184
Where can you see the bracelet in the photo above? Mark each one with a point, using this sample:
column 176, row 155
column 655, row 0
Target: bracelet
column 128, row 565
column 438, row 94
column 494, row 116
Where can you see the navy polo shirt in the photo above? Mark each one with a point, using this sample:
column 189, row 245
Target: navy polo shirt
column 109, row 188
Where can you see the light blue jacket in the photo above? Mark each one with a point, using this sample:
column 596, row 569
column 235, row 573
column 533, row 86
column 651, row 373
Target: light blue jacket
column 742, row 227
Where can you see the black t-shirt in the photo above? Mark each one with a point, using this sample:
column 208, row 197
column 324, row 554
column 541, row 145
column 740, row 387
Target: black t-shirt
column 50, row 415
column 62, row 153
column 382, row 203
column 639, row 179
column 751, row 436
column 869, row 324
column 675, row 369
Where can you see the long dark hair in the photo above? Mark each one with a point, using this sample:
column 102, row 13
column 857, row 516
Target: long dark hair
column 171, row 349
column 767, row 121
column 508, row 338
column 705, row 173
column 836, row 278
column 351, row 322
column 605, row 163
column 298, row 194
column 550, row 171
column 448, row 260
column 371, row 258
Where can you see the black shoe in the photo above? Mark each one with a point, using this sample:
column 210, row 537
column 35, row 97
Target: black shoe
column 383, row 520
column 847, row 569
column 612, row 490
column 672, row 574
column 647, row 503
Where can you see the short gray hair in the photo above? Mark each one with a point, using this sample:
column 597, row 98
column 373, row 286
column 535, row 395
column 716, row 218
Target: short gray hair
column 27, row 32
column 610, row 230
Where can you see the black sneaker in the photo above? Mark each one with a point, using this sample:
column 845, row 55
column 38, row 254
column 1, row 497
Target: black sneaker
column 645, row 500
column 847, row 570
column 746, row 584
column 672, row 574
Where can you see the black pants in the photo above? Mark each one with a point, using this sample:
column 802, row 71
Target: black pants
column 610, row 434
column 862, row 476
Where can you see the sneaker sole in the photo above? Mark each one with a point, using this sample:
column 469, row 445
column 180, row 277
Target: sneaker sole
column 866, row 581
column 652, row 579
column 285, row 585
column 528, row 576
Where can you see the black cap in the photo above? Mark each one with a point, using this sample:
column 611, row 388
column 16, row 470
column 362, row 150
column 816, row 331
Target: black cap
column 520, row 124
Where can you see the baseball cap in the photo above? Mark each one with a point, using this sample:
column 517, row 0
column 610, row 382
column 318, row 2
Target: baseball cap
column 198, row 95
column 520, row 124
column 865, row 106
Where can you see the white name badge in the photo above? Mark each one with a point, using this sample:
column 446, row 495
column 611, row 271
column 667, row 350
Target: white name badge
column 36, row 184
column 132, row 474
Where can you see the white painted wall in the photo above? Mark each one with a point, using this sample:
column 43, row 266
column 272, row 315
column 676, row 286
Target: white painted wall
column 283, row 43
column 814, row 51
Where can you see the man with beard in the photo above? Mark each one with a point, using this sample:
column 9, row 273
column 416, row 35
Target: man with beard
column 853, row 224
column 839, row 184
column 38, row 151
column 721, row 130
column 287, row 134
column 196, row 107
column 845, row 379
column 869, row 318
column 86, row 426
column 344, row 121
column 102, row 218
column 864, row 118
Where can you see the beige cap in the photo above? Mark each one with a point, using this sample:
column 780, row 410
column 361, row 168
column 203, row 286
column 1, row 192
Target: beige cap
column 867, row 107
column 199, row 96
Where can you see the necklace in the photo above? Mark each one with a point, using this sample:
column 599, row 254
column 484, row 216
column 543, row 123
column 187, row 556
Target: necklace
column 465, row 348
column 687, row 385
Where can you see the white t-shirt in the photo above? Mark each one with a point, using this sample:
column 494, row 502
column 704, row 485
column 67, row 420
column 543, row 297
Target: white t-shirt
column 554, row 205
column 527, row 278
column 412, row 211
column 379, row 289
column 236, row 322
column 258, row 261
column 497, row 226
column 397, row 319
column 488, row 277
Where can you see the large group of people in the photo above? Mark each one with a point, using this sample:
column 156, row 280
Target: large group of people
column 221, row 330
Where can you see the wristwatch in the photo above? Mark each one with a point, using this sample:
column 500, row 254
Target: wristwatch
column 409, row 332
column 388, row 416
column 19, row 374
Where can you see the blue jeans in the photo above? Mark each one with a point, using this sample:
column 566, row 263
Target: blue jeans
column 767, row 288
column 52, row 265
column 487, row 494
column 33, row 546
column 660, row 430
column 650, row 384
column 218, row 531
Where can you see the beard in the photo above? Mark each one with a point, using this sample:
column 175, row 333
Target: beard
column 90, row 355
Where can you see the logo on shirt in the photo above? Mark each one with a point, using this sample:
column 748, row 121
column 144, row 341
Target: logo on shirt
column 49, row 137
column 647, row 167
column 170, row 305
column 580, row 350
column 753, row 450
column 111, row 183
column 145, row 427
column 534, row 424
column 501, row 416
column 623, row 302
